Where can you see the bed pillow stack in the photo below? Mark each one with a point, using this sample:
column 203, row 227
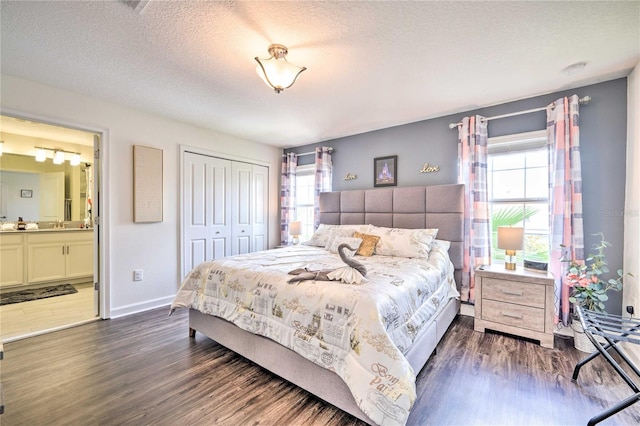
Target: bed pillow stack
column 404, row 242
column 370, row 239
column 326, row 233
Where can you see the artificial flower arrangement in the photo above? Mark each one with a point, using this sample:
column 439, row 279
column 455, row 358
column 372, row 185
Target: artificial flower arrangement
column 588, row 288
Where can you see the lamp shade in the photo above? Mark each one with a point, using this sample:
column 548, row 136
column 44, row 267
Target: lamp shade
column 295, row 228
column 276, row 71
column 510, row 238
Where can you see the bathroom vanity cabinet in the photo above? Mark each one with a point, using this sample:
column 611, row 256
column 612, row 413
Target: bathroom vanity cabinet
column 35, row 257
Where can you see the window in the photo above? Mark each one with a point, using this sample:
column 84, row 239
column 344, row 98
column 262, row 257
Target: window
column 518, row 186
column 305, row 195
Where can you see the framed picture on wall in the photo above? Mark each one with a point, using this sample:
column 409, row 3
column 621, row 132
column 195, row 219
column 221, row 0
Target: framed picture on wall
column 385, row 171
column 26, row 193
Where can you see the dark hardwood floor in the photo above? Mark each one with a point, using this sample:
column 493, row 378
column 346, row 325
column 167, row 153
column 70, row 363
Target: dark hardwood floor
column 144, row 370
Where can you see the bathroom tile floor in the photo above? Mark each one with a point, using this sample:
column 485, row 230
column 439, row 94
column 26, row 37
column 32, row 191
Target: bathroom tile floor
column 20, row 320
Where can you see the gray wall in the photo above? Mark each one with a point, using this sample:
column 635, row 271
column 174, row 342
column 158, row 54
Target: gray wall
column 603, row 124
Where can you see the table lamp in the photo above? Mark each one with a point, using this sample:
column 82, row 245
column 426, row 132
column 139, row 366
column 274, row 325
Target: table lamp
column 510, row 239
column 295, row 229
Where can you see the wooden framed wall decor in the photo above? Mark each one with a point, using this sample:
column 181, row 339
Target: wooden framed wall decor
column 147, row 184
column 385, row 171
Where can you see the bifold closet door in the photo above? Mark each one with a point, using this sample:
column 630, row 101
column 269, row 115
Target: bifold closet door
column 249, row 207
column 207, row 209
column 260, row 211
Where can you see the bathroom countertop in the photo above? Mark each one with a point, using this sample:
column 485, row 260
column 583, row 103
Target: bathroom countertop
column 15, row 231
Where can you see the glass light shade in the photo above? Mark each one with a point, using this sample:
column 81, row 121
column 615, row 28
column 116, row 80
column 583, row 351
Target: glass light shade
column 75, row 160
column 276, row 71
column 58, row 157
column 41, row 155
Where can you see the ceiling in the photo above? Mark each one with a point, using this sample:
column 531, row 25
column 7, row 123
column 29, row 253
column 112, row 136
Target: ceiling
column 370, row 65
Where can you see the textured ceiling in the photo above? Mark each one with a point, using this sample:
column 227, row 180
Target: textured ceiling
column 370, row 65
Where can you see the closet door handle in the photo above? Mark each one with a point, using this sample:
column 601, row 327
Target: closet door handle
column 63, row 250
column 67, row 249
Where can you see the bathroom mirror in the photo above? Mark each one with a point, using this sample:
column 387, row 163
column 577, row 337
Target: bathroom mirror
column 43, row 191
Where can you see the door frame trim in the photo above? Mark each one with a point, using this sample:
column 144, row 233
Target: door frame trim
column 101, row 242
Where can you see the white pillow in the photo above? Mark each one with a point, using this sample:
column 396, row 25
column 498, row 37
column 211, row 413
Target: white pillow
column 323, row 234
column 404, row 242
column 352, row 242
column 443, row 245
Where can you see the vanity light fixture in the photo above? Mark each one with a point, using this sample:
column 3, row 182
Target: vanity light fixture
column 276, row 71
column 41, row 155
column 58, row 155
column 75, row 159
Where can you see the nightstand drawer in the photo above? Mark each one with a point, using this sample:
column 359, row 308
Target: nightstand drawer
column 514, row 315
column 513, row 292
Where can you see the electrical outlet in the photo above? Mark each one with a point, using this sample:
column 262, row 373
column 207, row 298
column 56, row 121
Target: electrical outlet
column 137, row 274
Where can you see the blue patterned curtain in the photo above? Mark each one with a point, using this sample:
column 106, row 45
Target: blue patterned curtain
column 322, row 179
column 472, row 171
column 565, row 196
column 287, row 194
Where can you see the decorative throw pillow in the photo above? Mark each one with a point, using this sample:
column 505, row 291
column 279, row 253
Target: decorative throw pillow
column 352, row 242
column 322, row 235
column 368, row 246
column 404, row 242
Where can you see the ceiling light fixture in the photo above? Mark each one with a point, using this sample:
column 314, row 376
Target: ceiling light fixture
column 276, row 71
column 575, row 68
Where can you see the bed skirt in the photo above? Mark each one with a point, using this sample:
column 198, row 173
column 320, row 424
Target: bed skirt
column 298, row 370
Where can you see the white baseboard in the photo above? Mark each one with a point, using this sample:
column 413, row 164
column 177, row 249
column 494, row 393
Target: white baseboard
column 141, row 307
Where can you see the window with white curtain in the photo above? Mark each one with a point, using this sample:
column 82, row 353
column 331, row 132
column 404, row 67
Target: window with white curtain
column 518, row 186
column 305, row 183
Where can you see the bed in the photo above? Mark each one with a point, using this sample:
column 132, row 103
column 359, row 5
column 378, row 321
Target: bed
column 340, row 366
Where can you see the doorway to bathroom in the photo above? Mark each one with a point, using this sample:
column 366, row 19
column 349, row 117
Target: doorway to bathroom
column 49, row 245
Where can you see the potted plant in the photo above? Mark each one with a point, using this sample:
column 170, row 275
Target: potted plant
column 589, row 287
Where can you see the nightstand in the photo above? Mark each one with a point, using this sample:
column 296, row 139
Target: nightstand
column 516, row 302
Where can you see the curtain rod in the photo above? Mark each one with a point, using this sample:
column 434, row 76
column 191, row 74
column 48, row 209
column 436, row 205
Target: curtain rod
column 311, row 152
column 583, row 100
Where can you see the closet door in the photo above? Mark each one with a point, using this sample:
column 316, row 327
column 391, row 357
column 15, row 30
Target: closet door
column 260, row 210
column 207, row 209
column 241, row 207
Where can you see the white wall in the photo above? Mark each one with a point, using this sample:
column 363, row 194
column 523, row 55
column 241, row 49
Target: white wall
column 631, row 290
column 152, row 247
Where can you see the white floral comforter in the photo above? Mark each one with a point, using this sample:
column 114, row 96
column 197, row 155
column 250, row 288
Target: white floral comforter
column 360, row 332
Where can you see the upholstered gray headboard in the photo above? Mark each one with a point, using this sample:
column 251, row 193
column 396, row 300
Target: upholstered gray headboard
column 436, row 206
